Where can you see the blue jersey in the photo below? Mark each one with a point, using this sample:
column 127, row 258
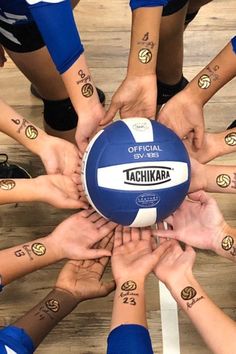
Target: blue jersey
column 55, row 21
column 14, row 340
column 129, row 339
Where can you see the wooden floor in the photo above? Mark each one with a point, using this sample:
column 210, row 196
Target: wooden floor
column 105, row 31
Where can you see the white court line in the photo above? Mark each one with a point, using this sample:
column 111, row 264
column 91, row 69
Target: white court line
column 169, row 319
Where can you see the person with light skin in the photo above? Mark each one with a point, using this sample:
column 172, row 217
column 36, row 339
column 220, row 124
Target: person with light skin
column 132, row 260
column 67, row 53
column 73, row 239
column 60, row 158
column 214, row 145
column 184, row 112
column 199, row 223
column 78, row 281
column 212, row 178
column 174, row 269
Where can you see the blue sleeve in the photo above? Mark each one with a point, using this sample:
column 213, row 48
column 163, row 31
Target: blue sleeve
column 57, row 26
column 15, row 339
column 233, row 41
column 135, row 4
column 129, row 339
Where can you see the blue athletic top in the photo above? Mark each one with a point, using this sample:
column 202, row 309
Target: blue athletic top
column 14, row 340
column 56, row 24
column 129, row 339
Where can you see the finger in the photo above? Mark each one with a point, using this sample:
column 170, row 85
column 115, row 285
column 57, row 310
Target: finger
column 199, row 196
column 198, row 137
column 126, row 234
column 165, row 233
column 75, row 204
column 106, row 229
column 107, row 288
column 118, row 240
column 76, row 179
column 191, row 253
column 86, row 213
column 97, row 253
column 135, row 234
column 94, row 217
column 101, row 222
column 110, row 114
column 146, row 233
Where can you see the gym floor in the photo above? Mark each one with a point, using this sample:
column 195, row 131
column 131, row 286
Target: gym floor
column 104, row 29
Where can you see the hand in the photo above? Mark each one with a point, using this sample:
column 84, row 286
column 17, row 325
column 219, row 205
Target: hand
column 2, row 57
column 209, row 149
column 83, row 278
column 175, row 265
column 87, row 125
column 198, row 222
column 59, row 191
column 136, row 97
column 132, row 253
column 59, row 156
column 198, row 176
column 77, row 235
column 184, row 114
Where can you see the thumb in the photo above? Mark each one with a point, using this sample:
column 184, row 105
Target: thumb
column 165, row 233
column 107, row 288
column 97, row 253
column 110, row 114
column 198, row 137
column 75, row 204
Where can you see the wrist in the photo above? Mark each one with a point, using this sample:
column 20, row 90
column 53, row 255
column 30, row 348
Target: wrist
column 224, row 242
column 130, row 282
column 175, row 286
column 68, row 296
column 54, row 248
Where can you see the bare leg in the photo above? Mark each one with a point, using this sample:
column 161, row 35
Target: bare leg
column 40, row 70
column 170, row 53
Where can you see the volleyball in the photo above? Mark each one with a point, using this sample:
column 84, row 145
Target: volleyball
column 136, row 172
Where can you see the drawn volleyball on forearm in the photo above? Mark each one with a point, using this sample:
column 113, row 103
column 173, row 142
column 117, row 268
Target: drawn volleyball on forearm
column 204, row 81
column 145, row 56
column 136, row 172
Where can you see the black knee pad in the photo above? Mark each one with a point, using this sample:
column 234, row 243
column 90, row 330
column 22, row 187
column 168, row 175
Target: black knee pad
column 60, row 115
column 190, row 17
column 166, row 92
column 173, row 6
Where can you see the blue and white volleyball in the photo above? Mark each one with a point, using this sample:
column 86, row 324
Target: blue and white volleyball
column 136, row 172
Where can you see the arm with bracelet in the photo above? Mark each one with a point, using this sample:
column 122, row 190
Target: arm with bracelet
column 174, row 269
column 199, row 223
column 67, row 52
column 74, row 238
column 78, row 281
column 137, row 95
column 184, row 112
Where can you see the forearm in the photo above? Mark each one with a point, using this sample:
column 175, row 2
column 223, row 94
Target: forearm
column 214, row 326
column 224, row 142
column 80, row 85
column 17, row 261
column 215, row 75
column 44, row 317
column 220, row 179
column 129, row 303
column 144, row 41
column 18, row 190
column 20, row 129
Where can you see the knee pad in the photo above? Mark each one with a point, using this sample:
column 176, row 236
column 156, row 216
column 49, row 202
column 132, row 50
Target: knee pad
column 190, row 17
column 173, row 6
column 166, row 92
column 60, row 115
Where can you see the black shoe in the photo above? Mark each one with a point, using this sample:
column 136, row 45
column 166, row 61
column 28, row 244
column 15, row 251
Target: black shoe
column 166, row 92
column 8, row 170
column 101, row 94
column 232, row 125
